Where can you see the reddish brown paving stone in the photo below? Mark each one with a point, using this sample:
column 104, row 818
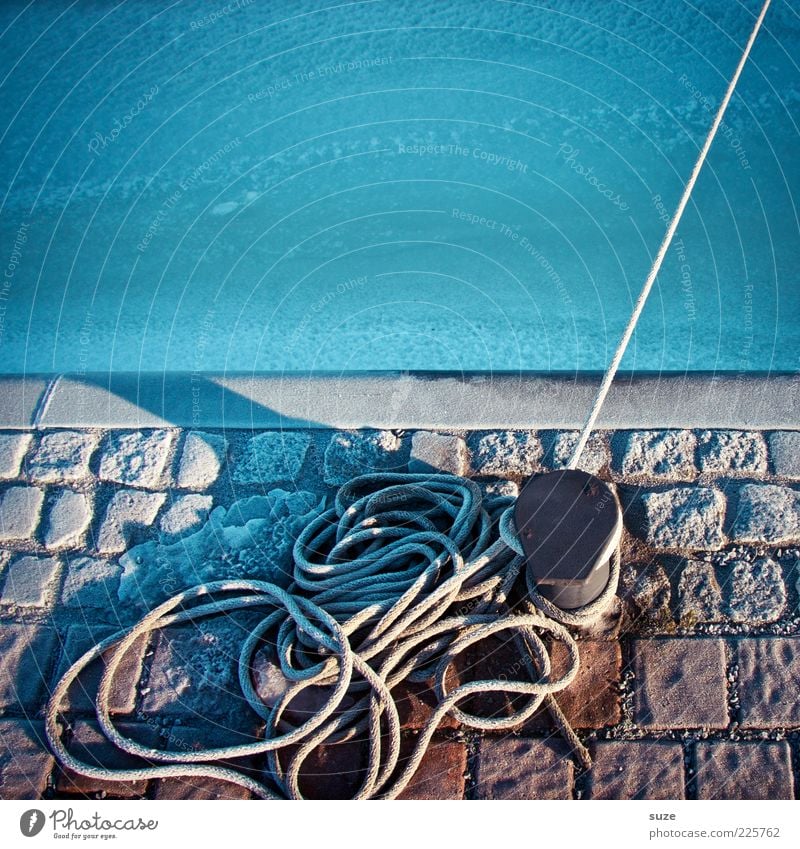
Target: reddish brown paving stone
column 769, row 678
column 417, row 702
column 90, row 745
column 680, row 683
column 82, row 692
column 198, row 788
column 331, row 772
column 638, row 769
column 741, row 770
column 25, row 762
column 592, row 700
column 26, row 656
column 519, row 768
column 440, row 774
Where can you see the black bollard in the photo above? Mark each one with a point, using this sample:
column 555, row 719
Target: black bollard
column 569, row 523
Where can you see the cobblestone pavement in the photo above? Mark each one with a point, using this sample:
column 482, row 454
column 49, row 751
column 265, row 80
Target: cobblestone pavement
column 688, row 689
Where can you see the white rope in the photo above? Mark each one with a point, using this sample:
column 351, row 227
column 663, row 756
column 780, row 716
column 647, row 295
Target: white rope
column 602, row 392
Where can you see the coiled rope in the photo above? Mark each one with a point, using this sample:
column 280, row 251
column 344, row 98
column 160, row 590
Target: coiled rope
column 391, row 585
column 377, row 583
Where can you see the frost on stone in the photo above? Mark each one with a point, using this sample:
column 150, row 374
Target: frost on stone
column 253, row 539
column 507, row 453
column 699, row 594
column 758, row 594
column 350, row 454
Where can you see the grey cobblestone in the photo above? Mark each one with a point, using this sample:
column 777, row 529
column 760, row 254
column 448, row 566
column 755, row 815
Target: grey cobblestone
column 758, row 593
column 91, row 584
column 516, row 768
column 201, row 460
column 186, row 514
column 744, row 770
column 769, row 681
column 767, row 513
column 26, row 654
column 434, row 452
column 68, row 520
column 784, row 448
column 509, row 453
column 63, row 456
column 648, row 588
column 273, row 457
column 350, row 454
column 20, row 507
column 638, row 769
column 13, row 447
column 732, row 452
column 25, row 762
column 128, row 510
column 595, row 456
column 136, row 458
column 685, row 519
column 680, row 683
column 31, row 582
column 699, row 595
column 667, row 454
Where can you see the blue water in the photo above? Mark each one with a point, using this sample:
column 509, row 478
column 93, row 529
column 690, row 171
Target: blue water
column 395, row 185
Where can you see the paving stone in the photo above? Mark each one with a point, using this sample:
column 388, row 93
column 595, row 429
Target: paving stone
column 767, row 513
column 272, row 457
column 758, row 593
column 506, row 453
column 331, row 772
column 665, row 454
column 69, row 519
column 699, row 595
column 198, row 788
column 680, row 683
column 350, row 454
column 63, row 456
column 194, row 673
column 89, row 744
column 417, row 702
column 594, row 458
column 201, row 460
column 186, row 514
column 769, row 681
column 31, row 582
column 91, row 584
column 13, row 447
column 127, row 511
column 638, row 769
column 732, row 452
column 744, row 770
column 434, row 452
column 592, row 700
column 440, row 774
column 784, row 448
column 137, row 458
column 516, row 768
column 80, row 696
column 25, row 761
column 685, row 519
column 647, row 589
column 26, row 653
column 19, row 512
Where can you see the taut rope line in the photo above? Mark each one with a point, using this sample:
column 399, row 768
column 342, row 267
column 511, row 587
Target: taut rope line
column 605, row 385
